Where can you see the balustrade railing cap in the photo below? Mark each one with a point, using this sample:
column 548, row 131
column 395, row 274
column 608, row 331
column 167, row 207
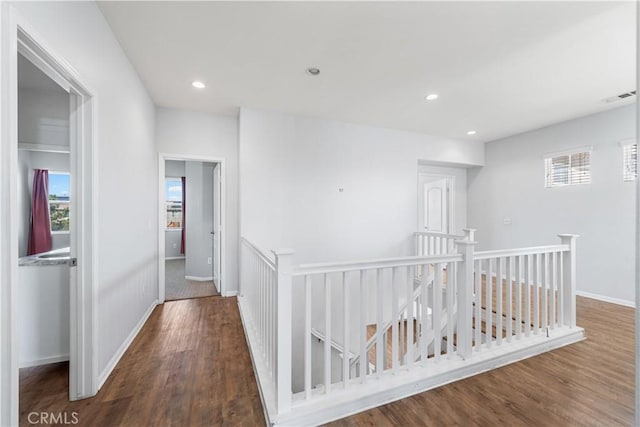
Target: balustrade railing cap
column 283, row 251
column 465, row 242
column 568, row 235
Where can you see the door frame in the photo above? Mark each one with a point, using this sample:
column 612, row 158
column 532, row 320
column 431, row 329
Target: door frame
column 451, row 181
column 221, row 231
column 18, row 36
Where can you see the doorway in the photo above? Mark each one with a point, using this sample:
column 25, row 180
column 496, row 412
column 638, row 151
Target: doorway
column 191, row 234
column 64, row 147
column 435, row 203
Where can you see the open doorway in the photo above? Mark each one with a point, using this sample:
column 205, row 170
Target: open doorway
column 191, row 199
column 47, row 148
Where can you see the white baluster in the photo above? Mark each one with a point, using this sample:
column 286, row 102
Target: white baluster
column 509, row 299
column 489, row 304
column 436, row 313
column 364, row 359
column 499, row 301
column 345, row 331
column 536, row 295
column 283, row 345
column 569, row 280
column 410, row 300
column 518, row 275
column 478, row 304
column 394, row 317
column 380, row 347
column 327, row 334
column 307, row 337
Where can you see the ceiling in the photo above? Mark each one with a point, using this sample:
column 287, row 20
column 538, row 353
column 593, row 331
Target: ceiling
column 500, row 68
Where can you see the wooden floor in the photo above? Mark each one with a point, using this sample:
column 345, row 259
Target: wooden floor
column 190, row 366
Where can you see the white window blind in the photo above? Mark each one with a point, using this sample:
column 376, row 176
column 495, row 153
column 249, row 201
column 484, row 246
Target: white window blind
column 630, row 161
column 568, row 169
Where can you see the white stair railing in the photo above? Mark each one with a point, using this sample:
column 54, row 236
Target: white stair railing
column 482, row 301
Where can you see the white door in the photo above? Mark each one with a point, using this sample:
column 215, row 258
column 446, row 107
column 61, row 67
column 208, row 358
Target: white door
column 435, row 204
column 217, row 229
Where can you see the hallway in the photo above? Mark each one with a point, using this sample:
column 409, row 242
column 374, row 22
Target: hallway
column 190, row 366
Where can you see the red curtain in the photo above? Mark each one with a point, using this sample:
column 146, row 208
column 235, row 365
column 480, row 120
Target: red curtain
column 184, row 212
column 40, row 231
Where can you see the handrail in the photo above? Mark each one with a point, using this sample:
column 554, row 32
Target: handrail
column 389, row 324
column 338, row 267
column 481, row 255
column 431, row 233
column 319, row 335
column 260, row 253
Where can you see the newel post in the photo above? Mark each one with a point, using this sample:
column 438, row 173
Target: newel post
column 283, row 310
column 569, row 279
column 465, row 298
column 469, row 234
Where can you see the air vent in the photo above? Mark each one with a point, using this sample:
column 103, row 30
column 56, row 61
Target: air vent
column 619, row 97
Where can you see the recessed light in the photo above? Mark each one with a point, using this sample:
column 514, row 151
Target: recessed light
column 313, row 71
column 198, row 85
column 431, row 97
column 471, row 132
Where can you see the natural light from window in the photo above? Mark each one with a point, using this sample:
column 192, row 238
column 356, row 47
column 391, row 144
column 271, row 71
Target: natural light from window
column 59, row 184
column 173, row 197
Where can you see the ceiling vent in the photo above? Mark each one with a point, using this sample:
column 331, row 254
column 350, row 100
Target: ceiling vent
column 620, row 97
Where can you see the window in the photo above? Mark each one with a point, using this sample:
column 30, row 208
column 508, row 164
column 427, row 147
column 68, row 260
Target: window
column 173, row 201
column 630, row 161
column 568, row 169
column 59, row 184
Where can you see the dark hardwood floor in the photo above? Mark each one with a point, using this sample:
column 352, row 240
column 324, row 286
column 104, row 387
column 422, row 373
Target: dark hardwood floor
column 190, row 366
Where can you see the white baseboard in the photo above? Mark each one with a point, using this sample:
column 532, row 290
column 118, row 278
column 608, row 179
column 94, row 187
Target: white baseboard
column 44, row 361
column 171, row 258
column 626, row 303
column 199, row 279
column 230, row 294
column 125, row 345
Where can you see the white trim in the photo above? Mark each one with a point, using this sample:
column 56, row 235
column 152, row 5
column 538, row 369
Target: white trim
column 585, row 149
column 221, row 282
column 28, row 146
column 44, row 361
column 625, row 142
column 619, row 301
column 229, row 293
column 19, row 36
column 125, row 345
column 171, row 230
column 199, row 278
column 172, row 258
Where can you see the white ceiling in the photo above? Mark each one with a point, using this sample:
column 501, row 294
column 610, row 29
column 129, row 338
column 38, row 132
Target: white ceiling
column 499, row 67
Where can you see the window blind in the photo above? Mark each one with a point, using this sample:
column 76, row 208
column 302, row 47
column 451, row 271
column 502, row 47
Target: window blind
column 630, row 162
column 568, row 169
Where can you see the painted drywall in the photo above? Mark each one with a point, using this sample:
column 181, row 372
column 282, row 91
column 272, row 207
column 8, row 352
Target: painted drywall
column 43, row 117
column 27, row 162
column 199, row 220
column 43, row 313
column 126, row 166
column 511, row 186
column 459, row 202
column 199, row 134
column 172, row 238
column 334, row 191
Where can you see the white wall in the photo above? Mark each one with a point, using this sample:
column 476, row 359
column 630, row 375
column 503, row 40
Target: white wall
column 43, row 313
column 43, row 117
column 27, row 162
column 511, row 185
column 292, row 170
column 127, row 166
column 199, row 134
